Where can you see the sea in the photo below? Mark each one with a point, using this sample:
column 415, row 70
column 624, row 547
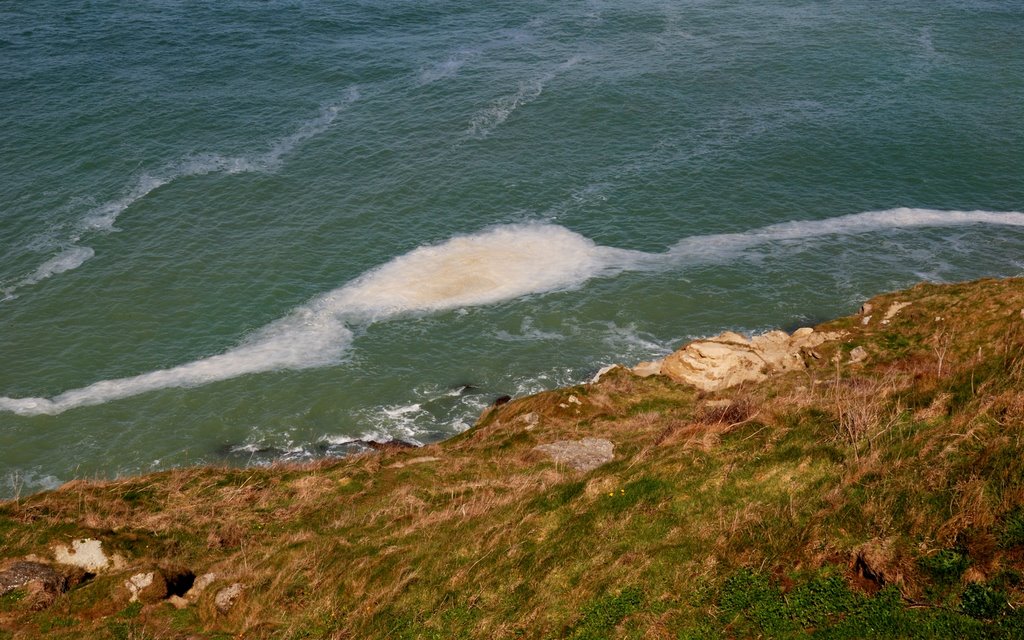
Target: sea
column 248, row 232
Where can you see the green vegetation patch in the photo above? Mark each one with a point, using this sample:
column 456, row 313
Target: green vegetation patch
column 600, row 616
column 822, row 606
column 642, row 491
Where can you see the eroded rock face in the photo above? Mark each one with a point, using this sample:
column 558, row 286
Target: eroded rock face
column 582, row 455
column 729, row 359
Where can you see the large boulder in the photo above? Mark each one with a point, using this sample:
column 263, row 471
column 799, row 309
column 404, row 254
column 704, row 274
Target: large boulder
column 582, row 455
column 88, row 554
column 40, row 581
column 729, row 359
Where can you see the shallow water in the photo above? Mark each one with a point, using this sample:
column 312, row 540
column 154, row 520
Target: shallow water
column 244, row 232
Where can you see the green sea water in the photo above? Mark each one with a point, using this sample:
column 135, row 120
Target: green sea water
column 242, row 232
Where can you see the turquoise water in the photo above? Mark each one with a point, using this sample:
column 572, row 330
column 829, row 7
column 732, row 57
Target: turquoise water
column 239, row 232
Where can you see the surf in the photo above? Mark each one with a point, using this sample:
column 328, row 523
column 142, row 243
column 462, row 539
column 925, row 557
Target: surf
column 491, row 266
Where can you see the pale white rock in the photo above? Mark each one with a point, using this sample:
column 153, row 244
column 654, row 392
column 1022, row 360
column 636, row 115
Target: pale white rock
column 88, row 554
column 865, row 320
column 227, row 597
column 858, row 354
column 601, row 372
column 199, row 585
column 178, row 602
column 894, row 308
column 574, row 400
column 582, row 455
column 728, row 359
column 137, row 583
column 647, row 369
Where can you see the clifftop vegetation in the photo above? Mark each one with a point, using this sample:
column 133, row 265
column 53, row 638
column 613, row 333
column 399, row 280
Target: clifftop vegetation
column 876, row 492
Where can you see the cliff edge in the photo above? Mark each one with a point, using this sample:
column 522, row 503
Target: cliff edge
column 862, row 478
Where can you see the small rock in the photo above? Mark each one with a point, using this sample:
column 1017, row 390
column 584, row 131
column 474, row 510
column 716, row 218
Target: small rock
column 866, row 308
column 894, row 308
column 876, row 561
column 178, row 602
column 574, row 400
column 602, row 371
column 647, row 369
column 147, row 587
column 531, row 420
column 803, row 332
column 865, row 320
column 582, row 455
column 858, row 354
column 199, row 585
column 227, row 597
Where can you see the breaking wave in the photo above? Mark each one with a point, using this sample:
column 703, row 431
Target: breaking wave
column 494, row 265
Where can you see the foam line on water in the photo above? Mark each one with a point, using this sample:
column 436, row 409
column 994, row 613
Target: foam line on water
column 710, row 249
column 494, row 265
column 490, row 118
column 497, row 264
column 68, row 259
column 102, row 218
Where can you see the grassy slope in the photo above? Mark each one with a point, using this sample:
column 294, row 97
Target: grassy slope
column 712, row 521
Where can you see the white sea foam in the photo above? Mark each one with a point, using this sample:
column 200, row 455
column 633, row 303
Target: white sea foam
column 102, row 218
column 487, row 120
column 444, row 69
column 68, row 259
column 711, row 249
column 497, row 264
column 491, row 266
column 18, row 482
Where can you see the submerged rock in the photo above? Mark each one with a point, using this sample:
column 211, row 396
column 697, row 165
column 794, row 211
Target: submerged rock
column 582, row 455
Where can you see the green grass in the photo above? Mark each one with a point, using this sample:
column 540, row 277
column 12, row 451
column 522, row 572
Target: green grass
column 710, row 522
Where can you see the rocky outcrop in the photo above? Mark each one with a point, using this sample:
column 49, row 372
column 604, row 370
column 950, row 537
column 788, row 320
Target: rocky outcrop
column 582, row 455
column 729, row 358
column 41, row 582
column 88, row 554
